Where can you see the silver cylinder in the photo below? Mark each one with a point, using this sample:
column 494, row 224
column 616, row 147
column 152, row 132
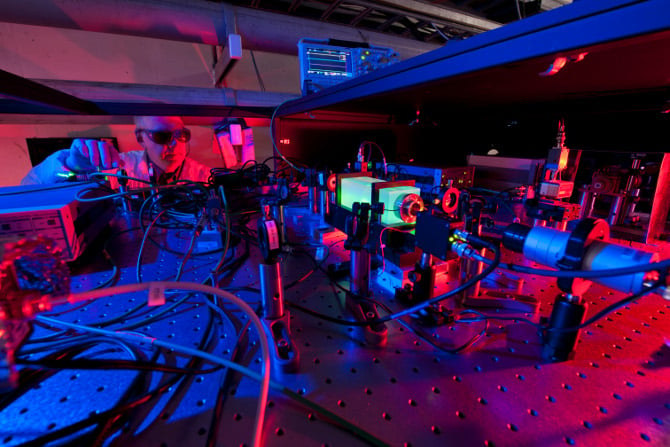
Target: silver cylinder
column 278, row 215
column 631, row 178
column 586, row 202
column 360, row 272
column 313, row 198
column 630, row 202
column 124, row 200
column 545, row 246
column 324, row 204
column 615, row 211
column 272, row 290
column 562, row 225
column 574, row 299
column 426, row 260
column 606, row 256
column 469, row 269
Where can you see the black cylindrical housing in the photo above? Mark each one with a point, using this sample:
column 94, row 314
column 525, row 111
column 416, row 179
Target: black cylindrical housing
column 559, row 345
column 514, row 236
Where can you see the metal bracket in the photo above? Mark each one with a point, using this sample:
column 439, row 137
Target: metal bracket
column 285, row 356
column 376, row 334
column 232, row 52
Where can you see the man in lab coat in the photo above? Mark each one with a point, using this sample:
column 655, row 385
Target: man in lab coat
column 163, row 160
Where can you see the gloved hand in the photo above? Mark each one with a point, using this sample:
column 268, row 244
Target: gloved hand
column 92, row 155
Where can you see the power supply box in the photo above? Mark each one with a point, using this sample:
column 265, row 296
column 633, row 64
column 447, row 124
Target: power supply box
column 54, row 211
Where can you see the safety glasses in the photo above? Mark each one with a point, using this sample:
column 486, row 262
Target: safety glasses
column 166, row 136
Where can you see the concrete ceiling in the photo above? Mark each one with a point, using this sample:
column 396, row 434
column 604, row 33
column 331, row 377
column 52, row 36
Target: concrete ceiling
column 409, row 26
column 435, row 21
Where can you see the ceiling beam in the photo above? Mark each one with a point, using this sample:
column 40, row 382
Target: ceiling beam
column 34, row 93
column 294, row 5
column 390, row 21
column 193, row 21
column 142, row 99
column 331, row 8
column 361, row 16
column 431, row 13
column 197, row 21
column 546, row 5
column 280, row 33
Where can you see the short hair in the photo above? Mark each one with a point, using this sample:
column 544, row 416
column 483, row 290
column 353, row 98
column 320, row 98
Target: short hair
column 140, row 121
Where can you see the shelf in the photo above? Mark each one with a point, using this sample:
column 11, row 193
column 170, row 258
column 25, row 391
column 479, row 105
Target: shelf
column 626, row 44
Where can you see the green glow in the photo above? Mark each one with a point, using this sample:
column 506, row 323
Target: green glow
column 392, row 198
column 356, row 189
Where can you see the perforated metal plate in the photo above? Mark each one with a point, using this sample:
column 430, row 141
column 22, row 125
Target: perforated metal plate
column 499, row 392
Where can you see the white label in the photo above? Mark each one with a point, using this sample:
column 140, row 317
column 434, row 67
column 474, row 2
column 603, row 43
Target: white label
column 156, row 296
column 273, row 235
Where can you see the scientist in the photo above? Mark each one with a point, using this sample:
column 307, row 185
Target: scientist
column 163, row 160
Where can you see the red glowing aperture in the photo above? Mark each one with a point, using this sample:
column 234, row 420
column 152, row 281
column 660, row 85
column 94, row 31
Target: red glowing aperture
column 561, row 61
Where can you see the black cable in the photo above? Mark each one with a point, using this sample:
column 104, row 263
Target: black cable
column 139, row 385
column 412, row 310
column 411, row 328
column 44, row 188
column 113, row 279
column 74, row 339
column 317, row 266
column 325, row 317
column 258, row 73
column 117, row 411
column 224, row 387
column 29, row 378
column 416, row 331
column 207, row 343
column 466, row 285
column 186, row 256
column 607, row 310
column 89, row 364
column 585, row 274
column 483, row 317
column 232, row 266
column 469, row 283
column 611, row 308
column 76, row 428
column 661, row 266
column 185, row 197
column 335, row 420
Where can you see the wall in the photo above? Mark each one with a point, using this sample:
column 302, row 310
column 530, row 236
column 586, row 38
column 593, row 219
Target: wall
column 37, row 52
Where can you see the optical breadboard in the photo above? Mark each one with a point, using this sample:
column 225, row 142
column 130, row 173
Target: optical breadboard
column 498, row 392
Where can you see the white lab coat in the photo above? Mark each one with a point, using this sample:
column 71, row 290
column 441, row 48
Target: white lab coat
column 53, row 169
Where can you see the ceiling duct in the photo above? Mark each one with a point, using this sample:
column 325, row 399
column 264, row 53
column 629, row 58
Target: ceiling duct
column 194, row 21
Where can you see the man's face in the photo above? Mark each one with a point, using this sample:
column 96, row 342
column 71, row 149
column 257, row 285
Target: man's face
column 164, row 150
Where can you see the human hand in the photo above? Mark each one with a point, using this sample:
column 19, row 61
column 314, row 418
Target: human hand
column 91, row 155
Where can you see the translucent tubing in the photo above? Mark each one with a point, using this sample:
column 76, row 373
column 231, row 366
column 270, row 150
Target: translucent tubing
column 158, row 288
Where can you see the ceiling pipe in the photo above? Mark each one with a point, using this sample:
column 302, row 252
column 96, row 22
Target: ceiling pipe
column 196, row 21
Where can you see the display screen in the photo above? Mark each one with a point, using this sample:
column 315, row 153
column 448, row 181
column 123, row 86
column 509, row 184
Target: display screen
column 329, row 62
